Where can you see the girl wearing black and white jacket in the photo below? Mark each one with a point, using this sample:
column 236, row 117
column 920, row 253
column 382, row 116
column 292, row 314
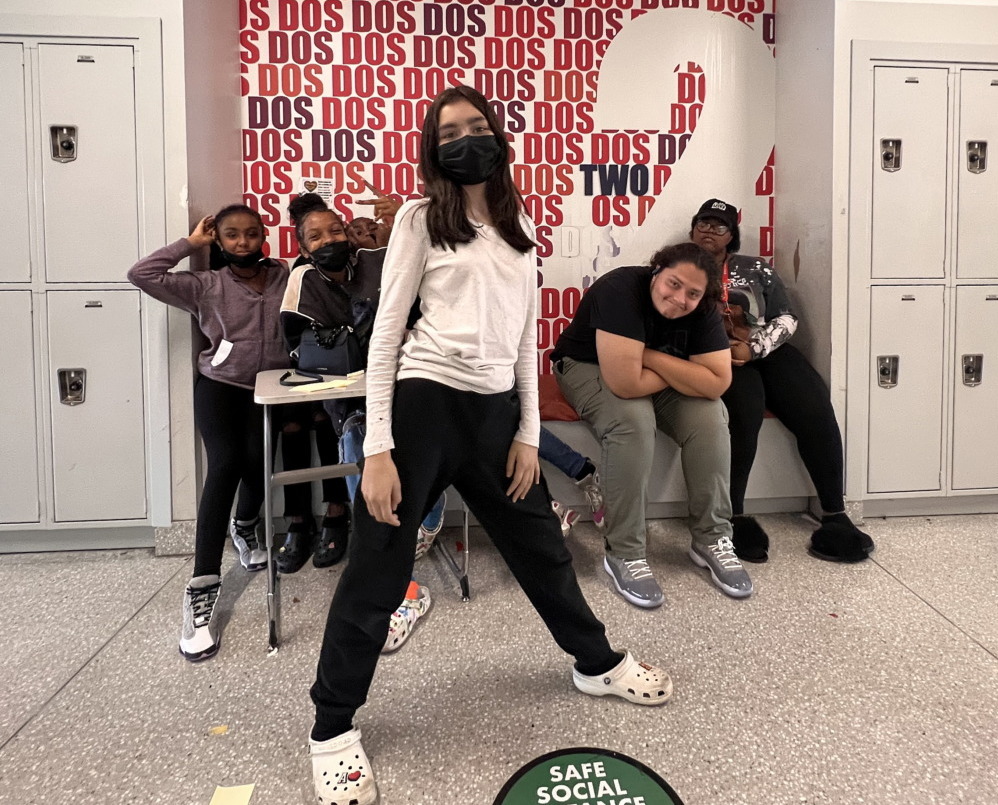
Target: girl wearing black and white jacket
column 767, row 372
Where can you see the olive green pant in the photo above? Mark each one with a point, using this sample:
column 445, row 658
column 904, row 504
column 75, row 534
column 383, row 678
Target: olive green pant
column 626, row 430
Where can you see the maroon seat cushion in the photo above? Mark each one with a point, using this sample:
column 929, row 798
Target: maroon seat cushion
column 553, row 404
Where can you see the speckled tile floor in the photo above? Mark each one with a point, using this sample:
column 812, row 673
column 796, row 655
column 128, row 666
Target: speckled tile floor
column 873, row 683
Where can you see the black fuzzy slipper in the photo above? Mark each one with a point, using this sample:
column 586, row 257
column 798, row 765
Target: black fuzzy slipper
column 750, row 540
column 838, row 540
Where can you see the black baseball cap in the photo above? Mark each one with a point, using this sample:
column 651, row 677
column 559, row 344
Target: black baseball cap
column 715, row 208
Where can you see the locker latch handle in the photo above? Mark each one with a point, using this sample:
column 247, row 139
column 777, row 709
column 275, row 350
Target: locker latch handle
column 973, row 369
column 72, row 386
column 890, row 155
column 977, row 156
column 63, row 139
column 887, row 371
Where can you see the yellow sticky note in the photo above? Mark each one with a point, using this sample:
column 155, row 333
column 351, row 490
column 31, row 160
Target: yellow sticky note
column 221, row 729
column 339, row 383
column 232, row 795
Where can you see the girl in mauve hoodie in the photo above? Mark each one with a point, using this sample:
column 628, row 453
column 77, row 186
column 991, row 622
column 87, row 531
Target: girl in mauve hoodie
column 238, row 309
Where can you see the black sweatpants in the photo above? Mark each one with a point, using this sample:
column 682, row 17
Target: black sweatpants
column 231, row 426
column 786, row 384
column 443, row 437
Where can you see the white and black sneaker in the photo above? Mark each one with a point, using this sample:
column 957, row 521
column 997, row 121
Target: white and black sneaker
column 199, row 637
column 243, row 533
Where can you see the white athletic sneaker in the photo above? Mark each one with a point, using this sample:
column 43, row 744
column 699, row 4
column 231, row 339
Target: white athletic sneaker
column 341, row 772
column 251, row 555
column 199, row 637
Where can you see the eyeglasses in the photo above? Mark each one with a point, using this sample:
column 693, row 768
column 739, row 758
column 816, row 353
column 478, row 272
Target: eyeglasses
column 717, row 229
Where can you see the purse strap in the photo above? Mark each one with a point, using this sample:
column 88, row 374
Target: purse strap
column 287, row 379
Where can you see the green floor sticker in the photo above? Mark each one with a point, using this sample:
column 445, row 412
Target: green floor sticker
column 586, row 776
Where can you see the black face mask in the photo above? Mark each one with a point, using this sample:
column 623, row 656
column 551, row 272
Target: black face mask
column 469, row 160
column 333, row 257
column 242, row 260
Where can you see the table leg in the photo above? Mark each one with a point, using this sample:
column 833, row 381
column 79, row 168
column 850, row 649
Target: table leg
column 273, row 580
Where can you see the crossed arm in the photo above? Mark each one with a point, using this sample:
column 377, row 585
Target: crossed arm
column 630, row 369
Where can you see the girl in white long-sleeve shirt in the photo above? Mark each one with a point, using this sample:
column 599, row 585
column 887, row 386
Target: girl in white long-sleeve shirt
column 456, row 404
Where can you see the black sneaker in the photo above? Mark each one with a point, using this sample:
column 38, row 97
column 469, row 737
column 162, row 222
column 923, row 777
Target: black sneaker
column 298, row 545
column 333, row 540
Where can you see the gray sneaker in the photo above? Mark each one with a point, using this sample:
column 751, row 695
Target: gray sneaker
column 251, row 555
column 634, row 581
column 726, row 570
column 199, row 635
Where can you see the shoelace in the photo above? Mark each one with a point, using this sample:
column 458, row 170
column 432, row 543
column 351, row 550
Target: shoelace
column 203, row 603
column 724, row 550
column 638, row 568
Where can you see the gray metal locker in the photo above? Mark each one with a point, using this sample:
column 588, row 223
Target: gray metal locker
column 906, row 388
column 16, row 263
column 975, row 389
column 98, row 434
column 87, row 99
column 19, row 466
column 977, row 175
column 908, row 226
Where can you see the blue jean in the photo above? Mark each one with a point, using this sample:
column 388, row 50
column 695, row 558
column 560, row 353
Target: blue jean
column 352, row 450
column 555, row 451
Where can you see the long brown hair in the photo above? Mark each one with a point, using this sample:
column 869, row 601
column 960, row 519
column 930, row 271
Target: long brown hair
column 446, row 218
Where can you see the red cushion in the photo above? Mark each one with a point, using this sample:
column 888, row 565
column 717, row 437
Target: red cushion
column 553, row 404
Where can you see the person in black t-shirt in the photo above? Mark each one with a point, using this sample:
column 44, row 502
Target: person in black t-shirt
column 647, row 350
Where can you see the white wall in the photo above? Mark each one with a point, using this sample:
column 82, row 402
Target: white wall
column 804, row 170
column 211, row 63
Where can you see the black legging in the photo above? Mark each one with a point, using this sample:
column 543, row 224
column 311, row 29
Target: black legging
column 231, row 426
column 786, row 384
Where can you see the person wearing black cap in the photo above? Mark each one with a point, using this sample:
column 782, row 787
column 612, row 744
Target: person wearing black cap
column 769, row 373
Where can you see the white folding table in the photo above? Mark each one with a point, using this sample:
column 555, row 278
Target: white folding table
column 269, row 392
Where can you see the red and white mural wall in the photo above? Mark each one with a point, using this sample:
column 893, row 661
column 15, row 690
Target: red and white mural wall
column 623, row 115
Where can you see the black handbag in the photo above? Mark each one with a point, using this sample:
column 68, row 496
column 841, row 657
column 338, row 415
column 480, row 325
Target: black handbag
column 327, row 351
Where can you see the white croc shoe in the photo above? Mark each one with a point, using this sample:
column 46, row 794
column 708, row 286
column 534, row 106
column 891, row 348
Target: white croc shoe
column 341, row 772
column 417, row 603
column 635, row 681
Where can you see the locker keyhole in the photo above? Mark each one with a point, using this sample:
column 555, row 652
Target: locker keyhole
column 890, row 155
